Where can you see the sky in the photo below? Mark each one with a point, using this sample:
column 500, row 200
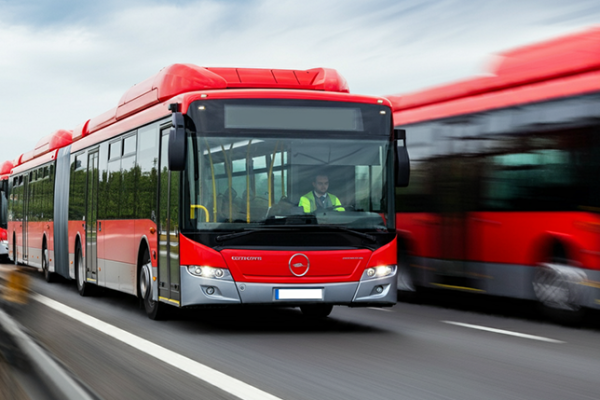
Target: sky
column 63, row 62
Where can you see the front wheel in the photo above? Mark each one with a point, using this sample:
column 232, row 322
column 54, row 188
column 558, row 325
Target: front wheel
column 316, row 310
column 559, row 290
column 154, row 309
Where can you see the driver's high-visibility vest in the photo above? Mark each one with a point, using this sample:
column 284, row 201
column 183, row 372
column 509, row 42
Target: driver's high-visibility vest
column 307, row 202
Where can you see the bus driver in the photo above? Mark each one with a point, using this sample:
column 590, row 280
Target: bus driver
column 318, row 199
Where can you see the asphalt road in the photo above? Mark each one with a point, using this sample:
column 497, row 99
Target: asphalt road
column 410, row 351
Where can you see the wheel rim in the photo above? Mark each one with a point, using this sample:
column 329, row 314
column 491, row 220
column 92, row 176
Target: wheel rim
column 145, row 287
column 80, row 270
column 554, row 291
column 45, row 262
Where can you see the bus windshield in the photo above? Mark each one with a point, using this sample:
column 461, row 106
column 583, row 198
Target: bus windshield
column 233, row 183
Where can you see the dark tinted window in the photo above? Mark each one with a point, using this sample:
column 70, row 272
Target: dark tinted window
column 113, row 189
column 147, row 161
column 542, row 156
column 77, row 188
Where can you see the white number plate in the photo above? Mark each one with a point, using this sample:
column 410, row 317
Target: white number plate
column 298, row 294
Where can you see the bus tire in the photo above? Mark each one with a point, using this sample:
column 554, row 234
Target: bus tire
column 155, row 310
column 407, row 289
column 316, row 311
column 48, row 276
column 15, row 250
column 83, row 287
column 559, row 291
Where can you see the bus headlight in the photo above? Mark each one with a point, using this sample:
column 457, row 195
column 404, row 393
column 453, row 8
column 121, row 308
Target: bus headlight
column 379, row 272
column 209, row 272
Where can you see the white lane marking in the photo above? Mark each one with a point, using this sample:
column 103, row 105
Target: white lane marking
column 380, row 309
column 220, row 380
column 503, row 332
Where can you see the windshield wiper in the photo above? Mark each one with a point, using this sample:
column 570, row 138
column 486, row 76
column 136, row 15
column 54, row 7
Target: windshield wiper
column 348, row 230
column 223, row 238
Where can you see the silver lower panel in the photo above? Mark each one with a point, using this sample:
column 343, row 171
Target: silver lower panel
column 506, row 280
column 363, row 293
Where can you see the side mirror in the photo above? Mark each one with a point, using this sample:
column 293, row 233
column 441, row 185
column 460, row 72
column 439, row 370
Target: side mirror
column 402, row 161
column 177, row 143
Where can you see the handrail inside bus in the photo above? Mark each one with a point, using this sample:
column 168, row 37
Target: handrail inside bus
column 270, row 183
column 229, row 179
column 214, row 183
column 248, row 182
column 192, row 211
column 282, row 178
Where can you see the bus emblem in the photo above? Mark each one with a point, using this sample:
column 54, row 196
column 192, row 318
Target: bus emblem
column 299, row 264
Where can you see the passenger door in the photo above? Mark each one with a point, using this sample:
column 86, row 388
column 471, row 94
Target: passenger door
column 168, row 231
column 91, row 217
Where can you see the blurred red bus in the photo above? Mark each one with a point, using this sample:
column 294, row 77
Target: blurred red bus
column 504, row 197
column 187, row 193
column 4, row 172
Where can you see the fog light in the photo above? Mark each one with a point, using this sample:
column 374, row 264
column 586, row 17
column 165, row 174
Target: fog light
column 210, row 290
column 379, row 289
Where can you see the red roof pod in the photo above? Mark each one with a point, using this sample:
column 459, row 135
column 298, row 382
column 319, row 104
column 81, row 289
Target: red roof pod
column 6, row 167
column 169, row 82
column 306, row 77
column 41, row 146
column 177, row 79
column 261, row 77
column 81, row 131
column 56, row 140
column 181, row 78
column 329, row 80
column 105, row 119
column 30, row 155
column 60, row 138
column 565, row 56
column 570, row 54
column 285, row 76
column 325, row 79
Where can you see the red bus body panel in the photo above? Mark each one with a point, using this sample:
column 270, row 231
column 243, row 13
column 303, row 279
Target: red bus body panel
column 267, row 266
column 557, row 69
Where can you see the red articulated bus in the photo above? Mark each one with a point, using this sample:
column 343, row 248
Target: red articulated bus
column 4, row 172
column 188, row 193
column 504, row 197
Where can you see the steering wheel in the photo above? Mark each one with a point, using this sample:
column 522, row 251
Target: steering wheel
column 343, row 208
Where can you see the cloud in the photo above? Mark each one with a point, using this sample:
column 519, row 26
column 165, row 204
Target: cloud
column 63, row 62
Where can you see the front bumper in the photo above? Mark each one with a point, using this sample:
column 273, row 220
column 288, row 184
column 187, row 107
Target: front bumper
column 4, row 248
column 367, row 292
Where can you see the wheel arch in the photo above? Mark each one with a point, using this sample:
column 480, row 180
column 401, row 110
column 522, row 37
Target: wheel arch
column 552, row 245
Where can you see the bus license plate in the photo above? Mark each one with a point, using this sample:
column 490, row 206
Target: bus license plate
column 298, row 294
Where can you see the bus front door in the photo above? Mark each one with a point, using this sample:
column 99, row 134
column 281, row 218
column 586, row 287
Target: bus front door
column 91, row 217
column 455, row 179
column 168, row 204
